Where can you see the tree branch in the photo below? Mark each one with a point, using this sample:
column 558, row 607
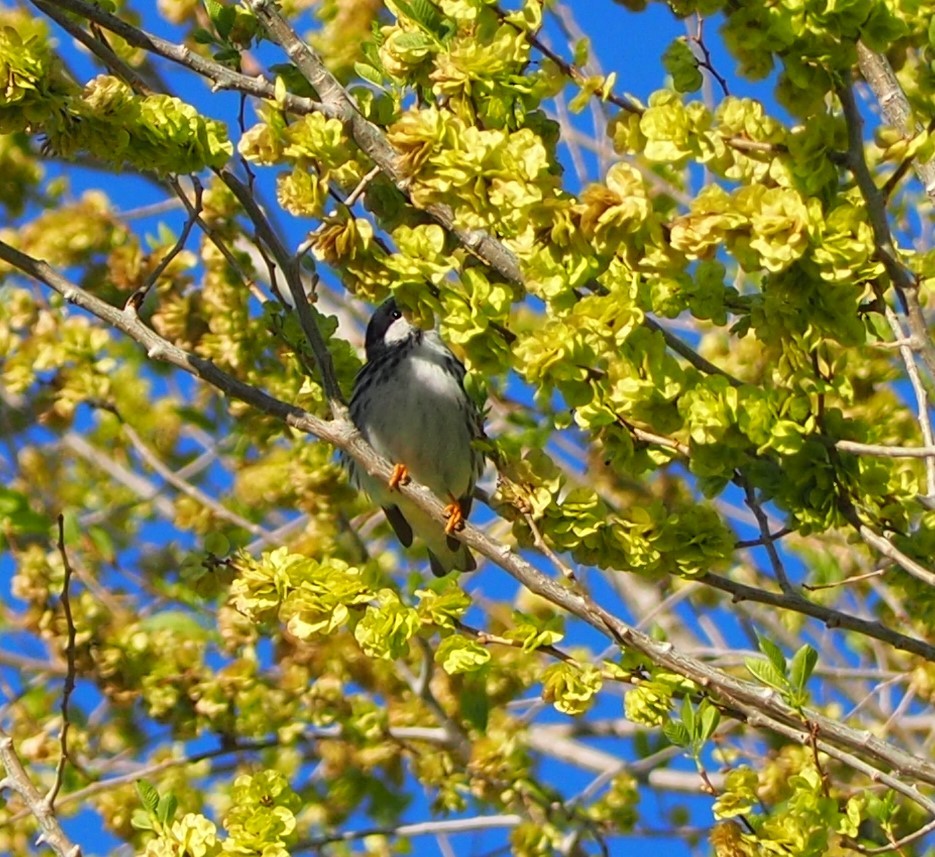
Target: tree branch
column 882, row 80
column 70, row 673
column 905, row 286
column 40, row 807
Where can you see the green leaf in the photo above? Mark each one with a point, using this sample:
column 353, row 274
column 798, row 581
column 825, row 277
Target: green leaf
column 710, row 718
column 413, row 42
column 149, row 797
column 213, row 8
column 802, row 667
column 682, row 65
column 165, row 811
column 369, row 73
column 767, row 673
column 676, row 733
column 102, row 540
column 203, row 36
column 70, row 527
column 773, row 653
column 688, row 716
column 217, row 544
column 424, row 14
column 11, row 501
column 140, row 819
column 224, row 21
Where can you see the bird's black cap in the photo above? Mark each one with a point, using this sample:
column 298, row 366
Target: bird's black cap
column 385, row 315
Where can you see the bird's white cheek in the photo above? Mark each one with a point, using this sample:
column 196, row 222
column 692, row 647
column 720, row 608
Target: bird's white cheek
column 397, row 332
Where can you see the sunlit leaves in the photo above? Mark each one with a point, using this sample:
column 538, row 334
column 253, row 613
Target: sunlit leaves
column 385, row 628
column 681, row 63
column 789, row 678
column 459, row 654
column 571, row 687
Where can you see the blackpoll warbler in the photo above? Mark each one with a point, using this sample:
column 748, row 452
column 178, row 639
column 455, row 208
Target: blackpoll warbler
column 410, row 404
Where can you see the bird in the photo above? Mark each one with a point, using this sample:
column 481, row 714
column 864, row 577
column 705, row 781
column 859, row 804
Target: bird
column 410, row 404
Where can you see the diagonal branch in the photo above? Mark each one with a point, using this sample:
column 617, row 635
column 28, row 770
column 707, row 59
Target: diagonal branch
column 18, row 780
column 881, row 78
column 907, row 289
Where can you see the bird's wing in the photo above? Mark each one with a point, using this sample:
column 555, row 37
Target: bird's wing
column 463, row 560
column 399, row 524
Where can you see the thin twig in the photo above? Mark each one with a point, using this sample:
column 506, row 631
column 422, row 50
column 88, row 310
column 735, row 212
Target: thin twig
column 537, row 539
column 762, row 520
column 289, row 265
column 884, row 451
column 70, row 674
column 897, row 844
column 139, row 295
column 831, row 618
column 422, row 828
column 189, row 490
column 922, row 402
column 705, row 61
column 890, row 551
column 895, row 107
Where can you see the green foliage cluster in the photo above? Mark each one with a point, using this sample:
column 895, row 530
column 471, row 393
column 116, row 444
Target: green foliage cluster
column 106, row 117
column 333, row 688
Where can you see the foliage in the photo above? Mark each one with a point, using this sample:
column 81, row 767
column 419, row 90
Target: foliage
column 700, row 327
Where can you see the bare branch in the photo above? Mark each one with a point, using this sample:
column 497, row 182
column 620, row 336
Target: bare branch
column 70, row 674
column 881, row 78
column 18, row 780
column 903, row 283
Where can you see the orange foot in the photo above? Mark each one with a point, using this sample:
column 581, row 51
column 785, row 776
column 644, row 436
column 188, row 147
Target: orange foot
column 455, row 517
column 400, row 476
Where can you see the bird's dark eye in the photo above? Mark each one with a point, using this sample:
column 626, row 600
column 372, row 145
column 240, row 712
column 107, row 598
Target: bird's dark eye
column 397, row 314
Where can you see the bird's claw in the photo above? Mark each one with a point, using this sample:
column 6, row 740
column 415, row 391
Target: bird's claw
column 455, row 518
column 399, row 476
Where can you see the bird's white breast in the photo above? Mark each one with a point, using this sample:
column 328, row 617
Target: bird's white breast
column 420, row 420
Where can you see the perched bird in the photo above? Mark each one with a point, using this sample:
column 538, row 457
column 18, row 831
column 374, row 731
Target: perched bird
column 409, row 403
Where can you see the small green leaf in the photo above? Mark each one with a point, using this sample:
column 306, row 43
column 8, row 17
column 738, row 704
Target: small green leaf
column 773, row 653
column 710, row 718
column 165, row 811
column 802, row 667
column 457, row 654
column 682, row 65
column 224, row 21
column 203, row 36
column 767, row 673
column 688, row 716
column 141, row 820
column 149, row 797
column 217, row 544
column 676, row 733
column 368, row 73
